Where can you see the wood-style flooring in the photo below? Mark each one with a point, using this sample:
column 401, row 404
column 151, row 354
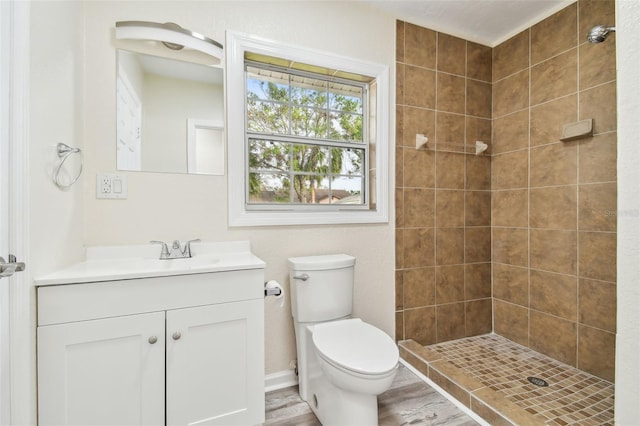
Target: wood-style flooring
column 409, row 401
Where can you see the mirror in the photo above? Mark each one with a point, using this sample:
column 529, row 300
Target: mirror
column 170, row 115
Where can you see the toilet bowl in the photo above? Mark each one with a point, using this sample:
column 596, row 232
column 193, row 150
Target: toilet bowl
column 343, row 362
column 356, row 356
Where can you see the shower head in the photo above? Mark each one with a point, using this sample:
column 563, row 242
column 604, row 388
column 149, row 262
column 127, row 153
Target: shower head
column 599, row 33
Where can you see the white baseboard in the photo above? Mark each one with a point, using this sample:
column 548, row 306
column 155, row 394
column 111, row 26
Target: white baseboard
column 280, row 380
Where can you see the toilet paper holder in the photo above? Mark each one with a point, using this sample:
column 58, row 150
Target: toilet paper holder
column 272, row 291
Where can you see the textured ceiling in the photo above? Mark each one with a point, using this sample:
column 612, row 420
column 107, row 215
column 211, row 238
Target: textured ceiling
column 488, row 22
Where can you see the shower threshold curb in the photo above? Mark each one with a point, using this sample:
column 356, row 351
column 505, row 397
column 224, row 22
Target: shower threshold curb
column 485, row 402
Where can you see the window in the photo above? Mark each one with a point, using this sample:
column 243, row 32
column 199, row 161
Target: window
column 306, row 139
column 308, row 132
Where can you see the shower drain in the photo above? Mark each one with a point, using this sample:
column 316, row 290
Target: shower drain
column 538, row 381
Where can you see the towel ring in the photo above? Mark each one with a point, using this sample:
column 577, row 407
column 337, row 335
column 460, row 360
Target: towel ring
column 64, row 152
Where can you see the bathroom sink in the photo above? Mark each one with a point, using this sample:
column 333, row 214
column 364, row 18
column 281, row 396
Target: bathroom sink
column 109, row 263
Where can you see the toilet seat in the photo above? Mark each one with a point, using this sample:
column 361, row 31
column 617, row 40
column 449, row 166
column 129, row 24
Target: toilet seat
column 356, row 346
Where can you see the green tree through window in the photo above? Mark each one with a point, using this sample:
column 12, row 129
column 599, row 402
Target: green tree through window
column 305, row 138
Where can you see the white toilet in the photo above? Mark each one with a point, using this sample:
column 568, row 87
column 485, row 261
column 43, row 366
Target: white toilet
column 343, row 363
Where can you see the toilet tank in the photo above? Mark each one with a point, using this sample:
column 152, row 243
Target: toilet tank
column 327, row 292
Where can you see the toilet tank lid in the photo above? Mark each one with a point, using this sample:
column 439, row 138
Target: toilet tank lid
column 318, row 263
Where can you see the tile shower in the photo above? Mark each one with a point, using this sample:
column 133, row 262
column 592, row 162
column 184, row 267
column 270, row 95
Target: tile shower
column 520, row 241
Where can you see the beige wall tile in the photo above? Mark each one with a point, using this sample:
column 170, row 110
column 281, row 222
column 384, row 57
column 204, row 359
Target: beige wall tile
column 418, row 248
column 598, row 158
column 450, row 93
column 451, row 54
column 450, row 322
column 450, row 129
column 478, row 129
column 554, row 207
column 418, row 287
column 399, row 326
column 449, row 284
column 510, row 170
column 597, row 207
column 419, row 210
column 400, row 41
column 399, row 125
column 554, row 34
column 419, row 168
column 548, row 119
column 399, row 290
column 596, row 352
column 479, row 61
column 477, row 281
column 449, row 208
column 511, row 56
column 478, row 98
column 511, row 321
column 399, row 207
column 511, row 284
column 449, row 170
column 511, row 132
column 510, row 246
column 554, row 250
column 599, row 103
column 478, row 318
column 478, row 172
column 597, row 304
column 555, row 164
column 554, row 294
column 419, row 46
column 555, row 77
column 597, row 63
column 417, row 120
column 449, row 246
column 477, row 244
column 400, row 83
column 598, row 255
column 554, row 337
column 399, row 248
column 420, row 325
column 419, row 87
column 510, row 208
column 477, row 208
column 399, row 160
column 511, row 94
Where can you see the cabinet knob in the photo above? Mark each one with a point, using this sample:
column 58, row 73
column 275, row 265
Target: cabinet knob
column 176, row 335
column 153, row 339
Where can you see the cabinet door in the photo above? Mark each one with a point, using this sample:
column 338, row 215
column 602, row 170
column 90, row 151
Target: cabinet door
column 102, row 372
column 215, row 365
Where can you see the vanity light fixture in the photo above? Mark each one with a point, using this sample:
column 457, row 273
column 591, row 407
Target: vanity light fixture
column 171, row 35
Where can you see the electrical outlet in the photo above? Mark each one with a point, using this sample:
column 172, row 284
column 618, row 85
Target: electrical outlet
column 111, row 185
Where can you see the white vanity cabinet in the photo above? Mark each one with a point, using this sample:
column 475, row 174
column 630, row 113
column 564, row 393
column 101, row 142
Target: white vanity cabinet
column 174, row 350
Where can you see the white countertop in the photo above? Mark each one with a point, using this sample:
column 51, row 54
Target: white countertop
column 112, row 263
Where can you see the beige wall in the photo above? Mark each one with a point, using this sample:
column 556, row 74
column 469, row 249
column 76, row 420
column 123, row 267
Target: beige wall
column 172, row 206
column 55, row 115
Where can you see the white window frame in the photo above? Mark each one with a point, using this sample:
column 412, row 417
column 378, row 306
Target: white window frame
column 239, row 215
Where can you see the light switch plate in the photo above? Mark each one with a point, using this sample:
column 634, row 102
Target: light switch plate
column 111, row 186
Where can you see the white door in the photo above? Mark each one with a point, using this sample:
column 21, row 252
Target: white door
column 102, row 372
column 15, row 404
column 215, row 372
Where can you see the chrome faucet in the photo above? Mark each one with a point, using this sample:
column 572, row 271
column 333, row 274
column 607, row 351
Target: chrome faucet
column 176, row 251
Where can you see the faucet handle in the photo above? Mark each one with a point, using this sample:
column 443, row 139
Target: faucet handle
column 165, row 248
column 187, row 247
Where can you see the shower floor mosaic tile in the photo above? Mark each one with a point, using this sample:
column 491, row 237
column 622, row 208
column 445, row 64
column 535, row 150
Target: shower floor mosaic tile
column 489, row 373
